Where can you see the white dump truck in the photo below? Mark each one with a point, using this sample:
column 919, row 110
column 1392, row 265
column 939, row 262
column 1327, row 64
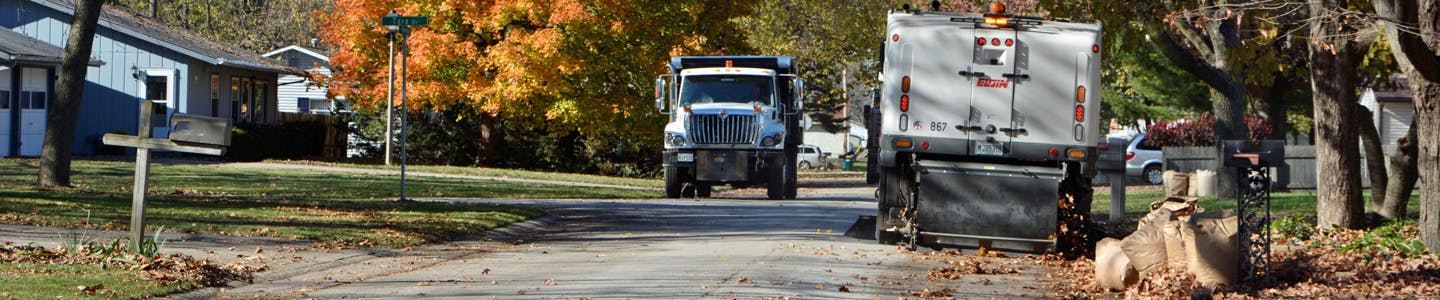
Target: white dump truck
column 989, row 127
column 733, row 120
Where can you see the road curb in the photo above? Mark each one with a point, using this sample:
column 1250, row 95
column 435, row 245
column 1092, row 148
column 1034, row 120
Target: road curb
column 521, row 231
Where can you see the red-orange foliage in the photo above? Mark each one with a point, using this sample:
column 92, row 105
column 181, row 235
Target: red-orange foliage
column 583, row 64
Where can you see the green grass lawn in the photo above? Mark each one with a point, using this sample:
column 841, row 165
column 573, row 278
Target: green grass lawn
column 325, row 207
column 52, row 281
column 507, row 173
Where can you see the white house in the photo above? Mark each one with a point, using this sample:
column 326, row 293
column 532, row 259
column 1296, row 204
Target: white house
column 1392, row 111
column 299, row 94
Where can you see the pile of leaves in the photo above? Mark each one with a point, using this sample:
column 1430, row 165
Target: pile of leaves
column 161, row 269
column 1379, row 263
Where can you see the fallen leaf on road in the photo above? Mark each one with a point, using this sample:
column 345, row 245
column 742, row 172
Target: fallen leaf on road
column 422, row 283
column 485, row 272
column 628, row 234
column 521, row 292
column 743, row 280
column 819, row 286
column 844, row 289
column 550, row 281
column 258, row 250
column 407, row 249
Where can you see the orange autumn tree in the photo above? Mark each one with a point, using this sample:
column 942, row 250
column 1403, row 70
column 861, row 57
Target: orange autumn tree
column 566, row 66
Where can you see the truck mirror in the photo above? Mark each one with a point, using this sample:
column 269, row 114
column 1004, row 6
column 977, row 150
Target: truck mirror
column 799, row 86
column 660, row 95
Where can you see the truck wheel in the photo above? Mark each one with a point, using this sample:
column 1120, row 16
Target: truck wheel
column 775, row 182
column 688, row 191
column 703, row 190
column 792, row 183
column 673, row 184
column 887, row 198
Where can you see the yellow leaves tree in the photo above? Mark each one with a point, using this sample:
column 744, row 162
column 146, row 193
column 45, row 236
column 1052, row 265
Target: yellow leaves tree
column 562, row 65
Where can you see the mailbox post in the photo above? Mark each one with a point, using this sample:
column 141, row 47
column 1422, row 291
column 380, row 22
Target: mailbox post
column 189, row 134
column 1252, row 161
column 1112, row 163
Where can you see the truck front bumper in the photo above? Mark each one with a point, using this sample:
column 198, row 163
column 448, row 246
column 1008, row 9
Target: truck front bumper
column 721, row 165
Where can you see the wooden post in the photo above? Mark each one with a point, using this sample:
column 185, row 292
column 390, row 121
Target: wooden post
column 142, row 173
column 1117, row 196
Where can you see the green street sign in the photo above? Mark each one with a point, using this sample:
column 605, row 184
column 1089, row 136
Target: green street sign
column 405, row 20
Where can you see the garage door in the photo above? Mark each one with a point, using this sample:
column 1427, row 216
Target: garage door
column 34, row 101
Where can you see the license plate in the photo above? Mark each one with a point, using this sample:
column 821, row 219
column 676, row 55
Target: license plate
column 685, row 157
column 989, row 149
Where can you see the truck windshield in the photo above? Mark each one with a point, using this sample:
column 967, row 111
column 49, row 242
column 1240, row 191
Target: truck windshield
column 727, row 89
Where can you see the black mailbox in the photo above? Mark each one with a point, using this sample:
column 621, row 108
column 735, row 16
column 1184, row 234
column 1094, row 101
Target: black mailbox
column 1246, row 153
column 1111, row 155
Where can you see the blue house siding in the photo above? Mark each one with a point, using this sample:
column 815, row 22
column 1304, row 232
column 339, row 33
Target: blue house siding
column 113, row 90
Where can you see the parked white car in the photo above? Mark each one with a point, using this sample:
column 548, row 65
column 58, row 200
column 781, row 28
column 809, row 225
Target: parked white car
column 809, row 157
column 1144, row 161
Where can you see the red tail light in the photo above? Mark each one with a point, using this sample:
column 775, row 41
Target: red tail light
column 1129, row 156
column 905, row 103
column 1079, row 113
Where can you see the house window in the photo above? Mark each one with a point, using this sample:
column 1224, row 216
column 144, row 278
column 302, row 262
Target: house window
column 214, row 95
column 158, row 87
column 236, row 109
column 32, row 100
column 320, row 106
column 302, row 105
column 247, row 107
column 262, row 111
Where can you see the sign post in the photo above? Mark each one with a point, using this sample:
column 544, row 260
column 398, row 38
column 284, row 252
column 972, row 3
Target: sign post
column 189, row 134
column 396, row 24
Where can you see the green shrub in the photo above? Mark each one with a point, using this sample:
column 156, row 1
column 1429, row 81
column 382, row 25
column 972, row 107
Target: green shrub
column 1294, row 226
column 1389, row 237
column 251, row 142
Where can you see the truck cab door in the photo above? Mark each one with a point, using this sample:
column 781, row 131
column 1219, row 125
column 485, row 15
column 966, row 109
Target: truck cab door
column 992, row 98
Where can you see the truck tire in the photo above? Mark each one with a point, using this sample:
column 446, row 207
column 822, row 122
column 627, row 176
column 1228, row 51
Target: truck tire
column 775, row 182
column 888, row 203
column 792, row 183
column 703, row 190
column 673, row 183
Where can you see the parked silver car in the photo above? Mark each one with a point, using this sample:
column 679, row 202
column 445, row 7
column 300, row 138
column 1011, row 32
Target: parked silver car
column 809, row 157
column 1143, row 161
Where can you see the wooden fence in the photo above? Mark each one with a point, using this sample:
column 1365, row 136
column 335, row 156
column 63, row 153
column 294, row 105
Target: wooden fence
column 335, row 132
column 1298, row 172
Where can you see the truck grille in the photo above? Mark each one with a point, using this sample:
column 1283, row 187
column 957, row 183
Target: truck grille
column 733, row 129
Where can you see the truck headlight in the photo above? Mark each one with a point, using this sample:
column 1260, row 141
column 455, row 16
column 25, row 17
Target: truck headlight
column 772, row 140
column 674, row 140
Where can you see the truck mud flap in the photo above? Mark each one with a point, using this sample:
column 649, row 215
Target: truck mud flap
column 987, row 202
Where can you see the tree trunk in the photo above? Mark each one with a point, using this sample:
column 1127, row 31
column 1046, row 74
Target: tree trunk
column 70, row 92
column 1374, row 156
column 1333, row 80
column 1403, row 175
column 1418, row 51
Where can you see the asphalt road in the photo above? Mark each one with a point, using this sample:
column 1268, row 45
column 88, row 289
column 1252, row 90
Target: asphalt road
column 736, row 245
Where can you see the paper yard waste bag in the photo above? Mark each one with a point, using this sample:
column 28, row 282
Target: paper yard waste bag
column 1213, row 252
column 1146, row 246
column 1113, row 270
column 1176, row 183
